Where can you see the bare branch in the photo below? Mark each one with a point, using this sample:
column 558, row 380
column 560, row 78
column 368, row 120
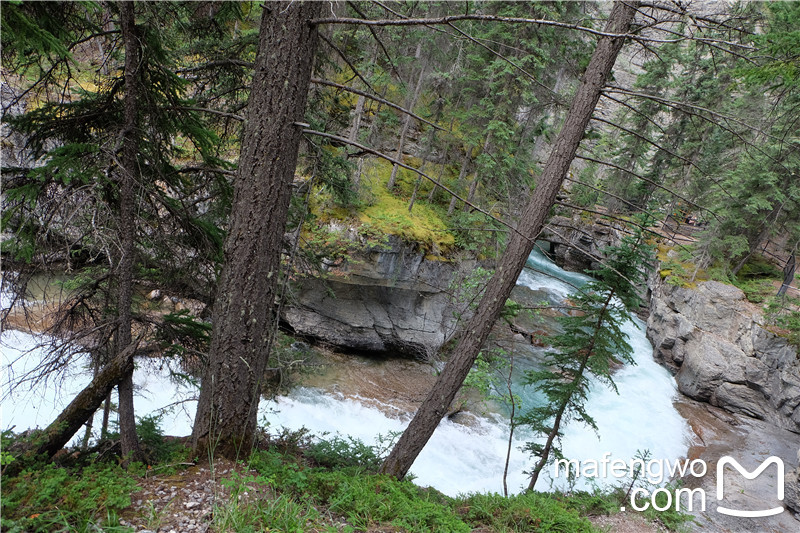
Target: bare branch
column 683, row 106
column 613, row 217
column 456, row 18
column 233, row 116
column 377, row 99
column 675, row 9
column 518, row 20
column 651, row 182
column 349, row 64
column 607, row 193
column 218, row 63
column 634, row 110
column 645, row 139
column 355, row 8
column 530, row 76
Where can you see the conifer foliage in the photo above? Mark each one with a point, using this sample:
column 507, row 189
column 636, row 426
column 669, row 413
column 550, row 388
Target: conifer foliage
column 591, row 345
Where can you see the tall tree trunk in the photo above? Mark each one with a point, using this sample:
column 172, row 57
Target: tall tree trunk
column 243, row 313
column 424, row 158
column 358, row 115
column 407, row 123
column 519, row 247
column 127, row 228
column 473, row 187
column 461, row 176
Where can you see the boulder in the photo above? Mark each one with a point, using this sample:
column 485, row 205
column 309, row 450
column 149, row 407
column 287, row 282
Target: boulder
column 715, row 343
column 709, row 361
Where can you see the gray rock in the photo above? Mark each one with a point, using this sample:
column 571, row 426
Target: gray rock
column 577, row 246
column 386, row 301
column 709, row 361
column 791, row 489
column 721, row 354
column 742, row 400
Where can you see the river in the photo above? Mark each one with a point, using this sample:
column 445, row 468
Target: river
column 371, row 400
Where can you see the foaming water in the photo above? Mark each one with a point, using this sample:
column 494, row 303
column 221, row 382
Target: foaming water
column 470, row 458
column 35, row 404
column 459, row 458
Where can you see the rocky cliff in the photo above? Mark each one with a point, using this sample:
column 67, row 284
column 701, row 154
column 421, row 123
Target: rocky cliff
column 386, row 300
column 714, row 340
column 577, row 245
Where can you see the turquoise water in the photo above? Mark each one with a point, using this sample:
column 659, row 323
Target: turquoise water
column 459, row 458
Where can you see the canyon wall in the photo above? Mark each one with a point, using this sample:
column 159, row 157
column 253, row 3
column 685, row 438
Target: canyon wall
column 717, row 345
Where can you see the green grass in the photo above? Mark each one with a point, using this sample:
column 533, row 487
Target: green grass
column 296, row 486
column 50, row 497
column 387, row 212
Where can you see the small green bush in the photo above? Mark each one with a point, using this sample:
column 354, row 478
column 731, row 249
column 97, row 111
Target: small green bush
column 54, row 498
column 363, row 499
column 758, row 267
column 151, row 440
column 339, row 453
column 532, row 511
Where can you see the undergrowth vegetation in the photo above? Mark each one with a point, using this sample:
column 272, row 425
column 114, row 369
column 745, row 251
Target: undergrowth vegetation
column 296, row 484
column 758, row 279
column 376, row 212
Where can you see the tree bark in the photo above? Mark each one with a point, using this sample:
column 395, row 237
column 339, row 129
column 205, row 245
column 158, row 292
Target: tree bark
column 129, row 442
column 519, row 247
column 243, row 313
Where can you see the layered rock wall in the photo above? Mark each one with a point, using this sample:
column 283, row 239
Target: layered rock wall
column 577, row 245
column 715, row 342
column 385, row 300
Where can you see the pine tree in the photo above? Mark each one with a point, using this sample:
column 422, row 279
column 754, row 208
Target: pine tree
column 590, row 345
column 110, row 177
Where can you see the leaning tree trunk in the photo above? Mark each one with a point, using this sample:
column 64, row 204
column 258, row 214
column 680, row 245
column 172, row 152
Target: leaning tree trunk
column 63, row 428
column 520, row 245
column 129, row 443
column 244, row 314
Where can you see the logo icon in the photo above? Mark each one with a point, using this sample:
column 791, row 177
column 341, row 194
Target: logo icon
column 749, row 475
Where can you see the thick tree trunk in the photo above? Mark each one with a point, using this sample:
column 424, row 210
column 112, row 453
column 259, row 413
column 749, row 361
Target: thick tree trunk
column 63, row 428
column 519, row 247
column 129, row 443
column 243, row 314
